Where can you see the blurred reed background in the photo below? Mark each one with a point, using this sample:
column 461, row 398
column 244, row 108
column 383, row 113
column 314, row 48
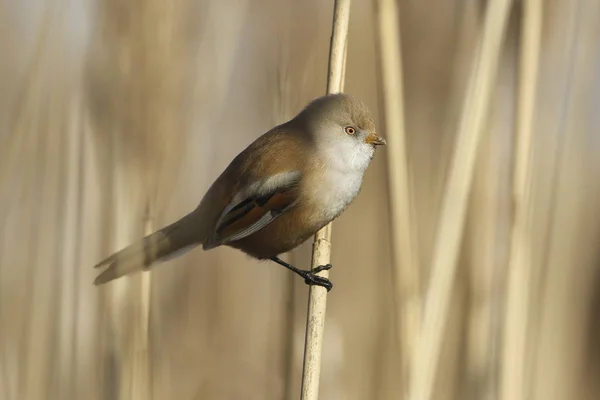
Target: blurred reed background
column 116, row 116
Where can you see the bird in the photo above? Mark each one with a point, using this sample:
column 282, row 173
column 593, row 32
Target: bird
column 274, row 195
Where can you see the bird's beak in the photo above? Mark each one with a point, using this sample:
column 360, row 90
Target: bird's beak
column 375, row 140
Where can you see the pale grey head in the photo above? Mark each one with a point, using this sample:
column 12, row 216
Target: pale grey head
column 345, row 129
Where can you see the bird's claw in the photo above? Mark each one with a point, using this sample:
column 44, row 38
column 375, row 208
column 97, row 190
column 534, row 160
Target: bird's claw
column 320, row 268
column 311, row 277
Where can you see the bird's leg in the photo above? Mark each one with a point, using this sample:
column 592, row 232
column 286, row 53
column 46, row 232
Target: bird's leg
column 310, row 276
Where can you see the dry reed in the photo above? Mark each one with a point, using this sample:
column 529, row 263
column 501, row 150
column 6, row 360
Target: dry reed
column 514, row 379
column 317, row 301
column 404, row 253
column 454, row 205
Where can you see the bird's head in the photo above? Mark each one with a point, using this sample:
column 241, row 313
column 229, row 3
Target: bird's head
column 343, row 126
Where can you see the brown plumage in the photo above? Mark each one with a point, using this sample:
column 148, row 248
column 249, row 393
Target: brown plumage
column 274, row 195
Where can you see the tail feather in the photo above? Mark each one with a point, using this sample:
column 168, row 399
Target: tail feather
column 163, row 244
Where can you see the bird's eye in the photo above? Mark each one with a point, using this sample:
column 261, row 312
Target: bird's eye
column 350, row 130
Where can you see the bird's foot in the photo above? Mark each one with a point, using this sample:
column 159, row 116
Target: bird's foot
column 311, row 277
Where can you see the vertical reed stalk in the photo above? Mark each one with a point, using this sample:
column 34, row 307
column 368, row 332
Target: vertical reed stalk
column 454, row 203
column 141, row 385
column 513, row 383
column 317, row 300
column 404, row 254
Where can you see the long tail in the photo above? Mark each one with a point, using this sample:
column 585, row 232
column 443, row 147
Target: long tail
column 166, row 243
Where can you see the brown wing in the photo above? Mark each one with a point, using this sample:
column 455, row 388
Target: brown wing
column 255, row 207
column 262, row 171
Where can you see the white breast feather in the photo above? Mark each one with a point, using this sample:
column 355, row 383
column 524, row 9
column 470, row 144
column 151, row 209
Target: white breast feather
column 344, row 166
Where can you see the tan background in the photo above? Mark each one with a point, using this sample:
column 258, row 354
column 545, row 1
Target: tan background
column 115, row 115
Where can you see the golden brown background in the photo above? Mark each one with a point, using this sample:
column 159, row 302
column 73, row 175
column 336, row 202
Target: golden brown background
column 115, row 116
